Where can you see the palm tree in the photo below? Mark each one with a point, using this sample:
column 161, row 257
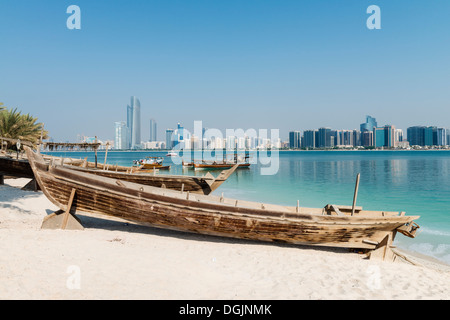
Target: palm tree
column 14, row 125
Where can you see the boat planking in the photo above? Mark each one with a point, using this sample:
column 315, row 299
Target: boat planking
column 333, row 226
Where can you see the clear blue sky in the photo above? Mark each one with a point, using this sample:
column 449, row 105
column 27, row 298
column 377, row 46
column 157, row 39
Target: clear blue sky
column 287, row 64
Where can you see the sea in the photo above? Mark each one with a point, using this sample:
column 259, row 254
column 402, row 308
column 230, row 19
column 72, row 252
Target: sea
column 417, row 182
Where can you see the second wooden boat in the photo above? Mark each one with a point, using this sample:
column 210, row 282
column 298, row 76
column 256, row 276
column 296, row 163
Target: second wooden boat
column 20, row 168
column 195, row 184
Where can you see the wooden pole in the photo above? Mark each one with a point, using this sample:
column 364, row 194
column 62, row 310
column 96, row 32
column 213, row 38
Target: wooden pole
column 106, row 154
column 95, row 152
column 40, row 140
column 67, row 212
column 355, row 195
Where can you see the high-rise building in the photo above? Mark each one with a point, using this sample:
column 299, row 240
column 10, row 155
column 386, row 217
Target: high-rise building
column 384, row 136
column 129, row 125
column 134, row 123
column 369, row 124
column 120, row 141
column 153, row 130
column 367, row 138
column 441, row 137
column 309, row 139
column 416, row 135
column 295, row 139
column 428, row 136
column 180, row 132
column 356, row 138
column 324, row 138
column 169, row 139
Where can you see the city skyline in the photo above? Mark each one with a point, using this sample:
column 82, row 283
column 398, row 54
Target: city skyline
column 370, row 135
column 234, row 64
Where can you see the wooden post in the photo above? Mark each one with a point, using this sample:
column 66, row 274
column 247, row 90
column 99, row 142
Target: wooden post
column 2, row 180
column 67, row 212
column 383, row 250
column 40, row 140
column 63, row 219
column 355, row 195
column 106, row 154
column 95, row 152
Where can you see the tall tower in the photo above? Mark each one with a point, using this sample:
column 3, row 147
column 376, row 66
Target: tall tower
column 129, row 127
column 134, row 122
column 120, row 141
column 369, row 124
column 153, row 135
column 169, row 139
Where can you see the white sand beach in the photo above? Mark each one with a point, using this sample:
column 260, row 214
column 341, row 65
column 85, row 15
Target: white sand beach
column 117, row 260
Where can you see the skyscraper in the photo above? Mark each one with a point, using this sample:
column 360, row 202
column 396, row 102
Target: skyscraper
column 120, row 140
column 324, row 138
column 134, row 123
column 379, row 137
column 441, row 137
column 169, row 139
column 294, row 139
column 129, row 126
column 153, row 130
column 384, row 136
column 369, row 124
column 309, row 139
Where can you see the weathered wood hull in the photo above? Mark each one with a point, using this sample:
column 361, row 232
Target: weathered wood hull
column 213, row 215
column 17, row 168
column 192, row 184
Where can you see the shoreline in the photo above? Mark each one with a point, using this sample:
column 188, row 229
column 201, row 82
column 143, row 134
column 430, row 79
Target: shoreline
column 123, row 260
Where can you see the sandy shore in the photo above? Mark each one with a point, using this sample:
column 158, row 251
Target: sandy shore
column 118, row 260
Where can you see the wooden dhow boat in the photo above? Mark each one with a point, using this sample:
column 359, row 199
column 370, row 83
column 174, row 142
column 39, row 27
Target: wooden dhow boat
column 334, row 226
column 10, row 166
column 195, row 184
column 221, row 164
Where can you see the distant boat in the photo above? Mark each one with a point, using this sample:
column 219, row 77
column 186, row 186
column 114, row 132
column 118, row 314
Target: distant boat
column 243, row 163
column 171, row 154
column 151, row 163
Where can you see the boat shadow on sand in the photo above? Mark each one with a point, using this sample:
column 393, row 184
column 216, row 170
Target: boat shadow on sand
column 99, row 222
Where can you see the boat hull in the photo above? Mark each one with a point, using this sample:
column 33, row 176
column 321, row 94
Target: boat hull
column 17, row 168
column 186, row 183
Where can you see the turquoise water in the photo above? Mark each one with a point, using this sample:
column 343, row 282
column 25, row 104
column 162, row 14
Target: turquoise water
column 417, row 182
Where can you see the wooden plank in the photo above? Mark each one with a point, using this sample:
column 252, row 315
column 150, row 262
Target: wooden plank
column 69, row 207
column 355, row 195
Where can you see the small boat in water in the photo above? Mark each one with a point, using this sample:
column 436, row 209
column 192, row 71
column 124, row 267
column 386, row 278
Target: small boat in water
column 242, row 163
column 171, row 154
column 151, row 163
column 334, row 226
